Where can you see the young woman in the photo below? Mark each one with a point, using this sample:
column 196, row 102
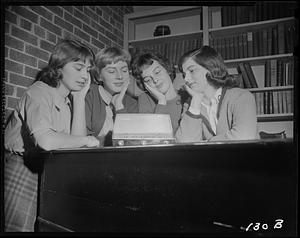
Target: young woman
column 218, row 109
column 156, row 75
column 108, row 95
column 43, row 119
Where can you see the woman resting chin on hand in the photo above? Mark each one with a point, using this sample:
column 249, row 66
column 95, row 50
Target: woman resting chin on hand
column 218, row 110
column 43, row 119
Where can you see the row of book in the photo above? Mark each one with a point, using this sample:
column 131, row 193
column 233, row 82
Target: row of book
column 279, row 72
column 172, row 50
column 280, row 39
column 274, row 102
column 247, row 79
column 260, row 11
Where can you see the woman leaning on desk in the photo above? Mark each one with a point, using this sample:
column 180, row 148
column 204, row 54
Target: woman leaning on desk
column 156, row 75
column 108, row 94
column 218, row 110
column 43, row 119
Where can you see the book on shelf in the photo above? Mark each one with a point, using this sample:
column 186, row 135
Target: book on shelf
column 260, row 43
column 291, row 38
column 241, row 69
column 265, row 103
column 279, row 72
column 215, row 17
column 273, row 73
column 275, row 101
column 284, row 101
column 255, row 43
column 261, row 102
column 271, row 104
column 274, row 40
column 231, row 47
column 290, row 101
column 233, row 15
column 250, row 43
column 250, row 74
column 264, row 42
column 287, row 73
column 240, row 43
column 269, row 41
column 292, row 76
column 260, row 11
column 236, row 46
column 245, row 48
column 280, row 100
column 267, row 73
column 227, row 42
column 257, row 102
column 280, row 34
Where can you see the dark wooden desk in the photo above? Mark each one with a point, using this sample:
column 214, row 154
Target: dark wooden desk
column 211, row 188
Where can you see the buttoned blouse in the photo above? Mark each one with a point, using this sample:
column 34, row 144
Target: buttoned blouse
column 212, row 109
column 39, row 110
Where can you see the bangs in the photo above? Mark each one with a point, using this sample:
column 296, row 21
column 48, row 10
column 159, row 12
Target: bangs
column 84, row 58
column 115, row 59
column 82, row 54
column 69, row 51
column 111, row 55
column 146, row 60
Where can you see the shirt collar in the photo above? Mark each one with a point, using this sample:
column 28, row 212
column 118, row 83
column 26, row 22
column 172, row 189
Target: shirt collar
column 106, row 96
column 218, row 95
column 58, row 100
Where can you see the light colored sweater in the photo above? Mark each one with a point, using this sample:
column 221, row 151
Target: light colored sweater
column 236, row 120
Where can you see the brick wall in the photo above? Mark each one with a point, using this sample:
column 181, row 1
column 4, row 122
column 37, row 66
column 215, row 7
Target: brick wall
column 32, row 31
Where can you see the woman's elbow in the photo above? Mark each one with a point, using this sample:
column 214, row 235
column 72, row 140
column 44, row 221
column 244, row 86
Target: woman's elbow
column 45, row 143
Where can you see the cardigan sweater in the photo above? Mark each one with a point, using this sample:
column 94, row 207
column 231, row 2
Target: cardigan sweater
column 236, row 119
column 95, row 109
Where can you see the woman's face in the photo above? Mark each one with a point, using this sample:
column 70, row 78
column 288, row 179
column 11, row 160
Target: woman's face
column 195, row 76
column 75, row 75
column 114, row 76
column 156, row 76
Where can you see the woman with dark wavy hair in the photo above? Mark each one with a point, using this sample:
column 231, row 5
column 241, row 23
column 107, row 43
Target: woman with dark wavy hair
column 218, row 110
column 155, row 75
column 43, row 119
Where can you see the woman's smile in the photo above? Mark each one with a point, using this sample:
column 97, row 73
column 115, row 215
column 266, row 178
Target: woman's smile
column 119, row 84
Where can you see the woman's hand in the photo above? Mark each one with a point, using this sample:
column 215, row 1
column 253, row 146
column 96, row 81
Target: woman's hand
column 161, row 98
column 92, row 141
column 82, row 93
column 117, row 100
column 197, row 98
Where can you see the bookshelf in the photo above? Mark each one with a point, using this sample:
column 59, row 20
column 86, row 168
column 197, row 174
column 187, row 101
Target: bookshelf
column 259, row 37
column 262, row 36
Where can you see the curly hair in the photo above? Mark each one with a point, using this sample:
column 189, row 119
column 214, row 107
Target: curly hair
column 107, row 56
column 211, row 60
column 67, row 50
column 146, row 57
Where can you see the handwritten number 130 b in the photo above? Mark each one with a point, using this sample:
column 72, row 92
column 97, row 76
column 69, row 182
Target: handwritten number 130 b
column 256, row 226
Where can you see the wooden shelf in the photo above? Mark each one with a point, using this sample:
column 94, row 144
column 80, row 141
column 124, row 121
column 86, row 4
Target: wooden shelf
column 275, row 117
column 248, row 26
column 275, row 88
column 207, row 33
column 258, row 59
column 189, row 35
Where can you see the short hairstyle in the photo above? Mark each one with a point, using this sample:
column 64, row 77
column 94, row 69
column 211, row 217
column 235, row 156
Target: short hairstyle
column 211, row 60
column 146, row 57
column 107, row 56
column 67, row 50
